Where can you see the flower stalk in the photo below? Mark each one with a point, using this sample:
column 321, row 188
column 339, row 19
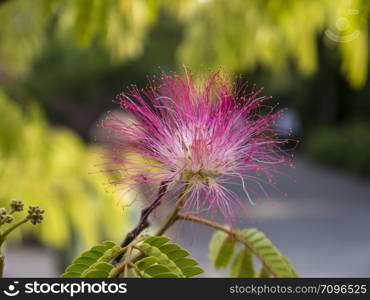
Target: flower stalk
column 171, row 219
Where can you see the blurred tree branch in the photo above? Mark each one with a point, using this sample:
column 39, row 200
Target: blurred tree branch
column 238, row 35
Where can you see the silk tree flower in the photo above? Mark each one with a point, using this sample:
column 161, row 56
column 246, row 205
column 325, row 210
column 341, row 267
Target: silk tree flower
column 198, row 135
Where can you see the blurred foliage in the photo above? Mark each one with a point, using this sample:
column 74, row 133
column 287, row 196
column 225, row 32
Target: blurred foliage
column 70, row 80
column 119, row 26
column 22, row 31
column 347, row 146
column 238, row 35
column 243, row 34
column 52, row 167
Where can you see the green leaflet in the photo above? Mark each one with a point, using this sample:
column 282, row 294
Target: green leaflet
column 263, row 272
column 295, row 274
column 166, row 260
column 255, row 243
column 192, row 271
column 270, row 256
column 146, row 262
column 221, row 249
column 93, row 263
column 98, row 270
column 242, row 266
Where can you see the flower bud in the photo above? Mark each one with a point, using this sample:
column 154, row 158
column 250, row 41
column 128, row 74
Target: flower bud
column 16, row 205
column 3, row 211
column 35, row 214
column 4, row 217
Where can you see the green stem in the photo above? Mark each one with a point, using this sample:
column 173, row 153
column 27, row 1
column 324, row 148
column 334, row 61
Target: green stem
column 4, row 234
column 230, row 232
column 263, row 272
column 171, row 219
column 122, row 266
column 207, row 223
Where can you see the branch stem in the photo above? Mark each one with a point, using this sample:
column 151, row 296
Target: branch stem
column 143, row 222
column 145, row 213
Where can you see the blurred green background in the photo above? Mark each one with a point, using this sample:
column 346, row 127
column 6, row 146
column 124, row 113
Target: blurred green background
column 62, row 61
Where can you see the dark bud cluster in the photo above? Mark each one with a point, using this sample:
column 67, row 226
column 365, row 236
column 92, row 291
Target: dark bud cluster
column 16, row 205
column 5, row 217
column 35, row 214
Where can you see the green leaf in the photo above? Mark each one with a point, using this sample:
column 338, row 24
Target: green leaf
column 107, row 245
column 79, row 268
column 163, row 259
column 71, row 275
column 242, row 266
column 221, row 249
column 95, row 255
column 254, row 243
column 99, row 248
column 87, row 261
column 157, row 269
column 169, row 248
column 94, row 262
column 192, row 271
column 96, row 274
column 166, row 260
column 295, row 274
column 263, row 272
column 157, row 241
column 166, row 275
column 146, row 262
column 178, row 254
column 271, row 257
column 110, row 253
column 185, row 262
column 102, row 267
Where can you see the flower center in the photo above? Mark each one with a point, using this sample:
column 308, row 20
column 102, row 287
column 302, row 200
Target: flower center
column 204, row 176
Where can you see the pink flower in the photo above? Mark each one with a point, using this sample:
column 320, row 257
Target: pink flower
column 197, row 135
